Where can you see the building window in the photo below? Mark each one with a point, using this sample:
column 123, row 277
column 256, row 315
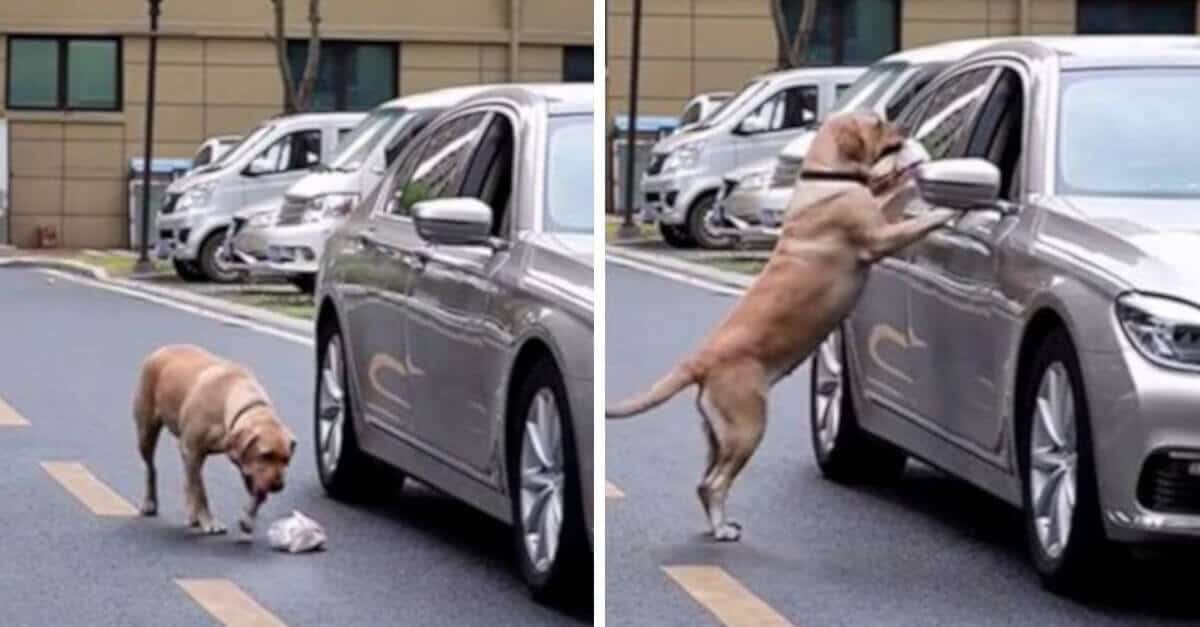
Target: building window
column 577, row 64
column 64, row 73
column 849, row 32
column 352, row 76
column 1113, row 17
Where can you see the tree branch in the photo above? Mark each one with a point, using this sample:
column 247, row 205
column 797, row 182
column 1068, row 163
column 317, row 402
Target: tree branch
column 798, row 55
column 312, row 64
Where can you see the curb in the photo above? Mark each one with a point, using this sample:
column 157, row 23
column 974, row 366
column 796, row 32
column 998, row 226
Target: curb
column 664, row 262
column 235, row 310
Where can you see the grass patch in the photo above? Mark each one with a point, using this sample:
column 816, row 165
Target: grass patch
column 645, row 231
column 295, row 305
column 119, row 265
column 740, row 265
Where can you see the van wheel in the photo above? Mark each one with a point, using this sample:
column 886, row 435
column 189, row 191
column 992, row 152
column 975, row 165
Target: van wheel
column 700, row 227
column 213, row 263
column 189, row 271
column 675, row 236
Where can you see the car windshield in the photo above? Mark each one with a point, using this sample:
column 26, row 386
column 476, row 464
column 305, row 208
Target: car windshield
column 244, row 146
column 740, row 98
column 1129, row 132
column 380, row 124
column 569, row 182
column 870, row 87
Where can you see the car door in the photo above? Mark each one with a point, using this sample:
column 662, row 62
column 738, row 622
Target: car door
column 388, row 378
column 281, row 164
column 938, row 306
column 777, row 121
column 457, row 284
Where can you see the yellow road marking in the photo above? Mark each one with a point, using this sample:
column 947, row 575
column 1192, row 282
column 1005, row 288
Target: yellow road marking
column 228, row 604
column 92, row 492
column 728, row 600
column 9, row 416
column 612, row 492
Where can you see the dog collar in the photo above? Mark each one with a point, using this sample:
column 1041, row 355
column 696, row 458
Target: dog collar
column 247, row 407
column 856, row 177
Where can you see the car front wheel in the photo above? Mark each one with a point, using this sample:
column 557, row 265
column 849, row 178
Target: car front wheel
column 675, row 236
column 700, row 224
column 544, row 484
column 188, row 270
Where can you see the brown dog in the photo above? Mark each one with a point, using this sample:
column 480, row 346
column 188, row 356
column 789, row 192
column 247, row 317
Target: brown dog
column 211, row 405
column 833, row 231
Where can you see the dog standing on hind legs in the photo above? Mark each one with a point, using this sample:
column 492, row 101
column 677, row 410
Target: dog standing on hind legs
column 834, row 230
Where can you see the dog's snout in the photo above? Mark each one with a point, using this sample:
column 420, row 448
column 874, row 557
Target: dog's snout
column 277, row 486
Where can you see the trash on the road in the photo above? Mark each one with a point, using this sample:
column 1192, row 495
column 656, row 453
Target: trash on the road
column 296, row 534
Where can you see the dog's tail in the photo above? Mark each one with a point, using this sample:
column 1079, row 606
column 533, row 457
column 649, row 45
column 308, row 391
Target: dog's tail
column 659, row 393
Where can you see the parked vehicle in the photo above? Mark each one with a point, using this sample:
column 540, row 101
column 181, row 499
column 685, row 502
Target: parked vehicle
column 455, row 320
column 680, row 185
column 754, row 197
column 197, row 209
column 700, row 107
column 1044, row 345
column 212, row 149
column 316, row 204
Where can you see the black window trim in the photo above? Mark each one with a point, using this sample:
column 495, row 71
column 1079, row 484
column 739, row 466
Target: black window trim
column 341, row 89
column 62, row 42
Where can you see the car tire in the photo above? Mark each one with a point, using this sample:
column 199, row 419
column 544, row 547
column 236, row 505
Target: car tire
column 698, row 224
column 304, row 282
column 844, row 452
column 675, row 236
column 1067, row 560
column 210, row 260
column 346, row 471
column 554, row 565
column 189, row 271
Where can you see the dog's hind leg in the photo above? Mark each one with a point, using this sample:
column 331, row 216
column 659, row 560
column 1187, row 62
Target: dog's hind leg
column 739, row 406
column 148, row 431
column 713, row 446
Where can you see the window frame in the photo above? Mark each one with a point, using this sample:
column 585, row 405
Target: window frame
column 341, row 89
column 61, row 83
column 971, row 117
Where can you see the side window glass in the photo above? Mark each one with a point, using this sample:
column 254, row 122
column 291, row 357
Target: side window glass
column 297, row 151
column 691, row 115
column 997, row 136
column 489, row 176
column 946, row 119
column 306, row 150
column 202, row 157
column 274, row 158
column 791, row 108
column 438, row 171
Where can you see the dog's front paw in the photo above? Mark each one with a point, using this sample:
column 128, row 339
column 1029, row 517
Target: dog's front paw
column 149, row 509
column 246, row 525
column 728, row 532
column 212, row 528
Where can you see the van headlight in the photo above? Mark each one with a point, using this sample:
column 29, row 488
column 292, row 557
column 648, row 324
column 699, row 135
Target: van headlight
column 1165, row 330
column 197, row 195
column 755, row 180
column 329, row 206
column 262, row 219
column 683, row 157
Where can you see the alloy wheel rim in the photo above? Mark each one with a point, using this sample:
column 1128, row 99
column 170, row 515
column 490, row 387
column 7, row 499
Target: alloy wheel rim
column 828, row 392
column 543, row 477
column 1053, row 460
column 331, row 415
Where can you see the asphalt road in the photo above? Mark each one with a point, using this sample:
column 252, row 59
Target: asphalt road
column 69, row 355
column 928, row 551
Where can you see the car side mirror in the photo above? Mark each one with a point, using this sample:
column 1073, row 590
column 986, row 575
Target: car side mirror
column 751, row 126
column 454, row 221
column 963, row 184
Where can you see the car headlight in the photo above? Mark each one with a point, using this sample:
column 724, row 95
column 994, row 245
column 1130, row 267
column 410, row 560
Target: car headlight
column 263, row 219
column 755, row 180
column 1165, row 330
column 684, row 156
column 197, row 195
column 329, row 206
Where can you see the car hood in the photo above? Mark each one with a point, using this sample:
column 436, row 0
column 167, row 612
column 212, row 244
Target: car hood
column 686, row 135
column 325, row 182
column 272, row 204
column 560, row 266
column 178, row 185
column 798, row 148
column 1150, row 244
column 761, row 165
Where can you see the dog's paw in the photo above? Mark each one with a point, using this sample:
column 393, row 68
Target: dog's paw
column 246, row 525
column 212, row 528
column 728, row 532
column 149, row 509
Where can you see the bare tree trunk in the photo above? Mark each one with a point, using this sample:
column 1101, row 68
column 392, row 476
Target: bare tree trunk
column 285, row 72
column 781, row 32
column 311, row 65
column 793, row 47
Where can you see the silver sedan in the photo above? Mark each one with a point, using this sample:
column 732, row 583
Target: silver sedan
column 1046, row 345
column 455, row 325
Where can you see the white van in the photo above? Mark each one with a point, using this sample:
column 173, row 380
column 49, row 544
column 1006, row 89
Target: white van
column 311, row 208
column 211, row 151
column 679, row 187
column 198, row 208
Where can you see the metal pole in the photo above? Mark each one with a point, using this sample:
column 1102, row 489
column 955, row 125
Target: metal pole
column 628, row 229
column 143, row 263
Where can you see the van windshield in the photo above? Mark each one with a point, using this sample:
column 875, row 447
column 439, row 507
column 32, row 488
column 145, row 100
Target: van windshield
column 380, row 125
column 733, row 104
column 243, row 147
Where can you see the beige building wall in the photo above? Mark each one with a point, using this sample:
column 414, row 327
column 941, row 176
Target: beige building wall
column 217, row 74
column 693, row 46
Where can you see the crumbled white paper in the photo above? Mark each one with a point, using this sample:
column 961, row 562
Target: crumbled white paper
column 296, row 534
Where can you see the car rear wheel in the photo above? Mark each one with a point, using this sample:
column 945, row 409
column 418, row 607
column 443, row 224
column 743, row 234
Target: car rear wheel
column 700, row 224
column 675, row 236
column 1063, row 528
column 544, row 484
column 843, row 450
column 213, row 262
column 188, row 270
column 345, row 470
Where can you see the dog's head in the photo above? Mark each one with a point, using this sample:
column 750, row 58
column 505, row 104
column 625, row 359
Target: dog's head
column 859, row 143
column 261, row 447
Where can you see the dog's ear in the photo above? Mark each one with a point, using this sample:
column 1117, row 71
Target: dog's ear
column 239, row 442
column 292, row 451
column 852, row 148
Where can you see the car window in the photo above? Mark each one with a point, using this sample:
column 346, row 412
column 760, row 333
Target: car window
column 913, row 83
column 296, row 151
column 436, row 169
column 795, row 107
column 997, row 135
column 202, row 157
column 489, row 175
column 569, row 179
column 691, row 114
column 949, row 112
